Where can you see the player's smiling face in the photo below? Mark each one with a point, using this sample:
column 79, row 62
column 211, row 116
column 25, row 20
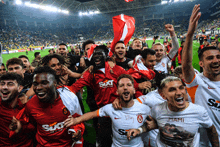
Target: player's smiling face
column 54, row 63
column 211, row 62
column 98, row 58
column 9, row 89
column 44, row 86
column 125, row 90
column 175, row 93
column 120, row 50
column 159, row 52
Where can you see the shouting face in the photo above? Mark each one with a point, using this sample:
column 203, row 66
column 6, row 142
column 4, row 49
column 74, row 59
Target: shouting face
column 9, row 90
column 125, row 90
column 44, row 86
column 175, row 93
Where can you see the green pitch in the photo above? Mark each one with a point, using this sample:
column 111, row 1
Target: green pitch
column 89, row 135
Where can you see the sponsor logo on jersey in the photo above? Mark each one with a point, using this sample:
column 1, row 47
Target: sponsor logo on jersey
column 54, row 127
column 122, row 132
column 214, row 103
column 106, row 83
column 140, row 118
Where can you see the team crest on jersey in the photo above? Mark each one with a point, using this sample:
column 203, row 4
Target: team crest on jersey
column 106, row 83
column 140, row 118
column 65, row 111
column 163, row 64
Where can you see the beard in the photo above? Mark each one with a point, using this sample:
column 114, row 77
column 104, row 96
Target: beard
column 13, row 95
column 127, row 101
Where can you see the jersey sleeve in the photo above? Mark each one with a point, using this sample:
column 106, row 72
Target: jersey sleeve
column 194, row 81
column 175, row 48
column 103, row 111
column 78, row 127
column 206, row 121
column 84, row 80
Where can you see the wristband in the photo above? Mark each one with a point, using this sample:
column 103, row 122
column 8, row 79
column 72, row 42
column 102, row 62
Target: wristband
column 140, row 129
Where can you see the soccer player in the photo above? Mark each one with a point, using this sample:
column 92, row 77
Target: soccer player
column 178, row 120
column 10, row 105
column 135, row 49
column 120, row 51
column 132, row 114
column 205, row 86
column 27, row 67
column 48, row 109
column 161, row 58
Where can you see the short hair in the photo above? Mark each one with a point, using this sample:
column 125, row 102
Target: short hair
column 63, row 44
column 103, row 47
column 12, row 76
column 87, row 42
column 146, row 52
column 14, row 61
column 46, row 59
column 158, row 43
column 45, row 69
column 23, row 56
column 120, row 41
column 3, row 64
column 177, row 71
column 136, row 39
column 200, row 53
column 168, row 80
column 36, row 54
column 125, row 76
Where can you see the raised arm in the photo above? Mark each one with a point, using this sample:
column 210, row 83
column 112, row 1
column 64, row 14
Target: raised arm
column 187, row 67
column 175, row 43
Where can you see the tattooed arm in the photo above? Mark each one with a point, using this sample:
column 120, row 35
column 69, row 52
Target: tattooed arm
column 213, row 136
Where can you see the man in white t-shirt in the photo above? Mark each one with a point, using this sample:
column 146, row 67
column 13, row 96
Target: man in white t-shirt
column 161, row 58
column 204, row 88
column 133, row 114
column 178, row 120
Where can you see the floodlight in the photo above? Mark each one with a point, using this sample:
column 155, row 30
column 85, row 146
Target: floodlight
column 27, row 4
column 18, row 2
column 80, row 14
column 90, row 12
column 96, row 12
column 35, row 6
column 59, row 10
column 65, row 11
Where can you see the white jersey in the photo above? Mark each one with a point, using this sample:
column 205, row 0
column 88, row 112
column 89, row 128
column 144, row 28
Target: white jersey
column 180, row 128
column 123, row 120
column 162, row 65
column 151, row 99
column 206, row 93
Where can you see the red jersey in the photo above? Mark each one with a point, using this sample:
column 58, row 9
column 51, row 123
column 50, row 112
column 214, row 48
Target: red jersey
column 49, row 119
column 179, row 55
column 6, row 114
column 104, row 85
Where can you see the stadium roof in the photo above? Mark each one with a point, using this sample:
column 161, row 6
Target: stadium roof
column 104, row 6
